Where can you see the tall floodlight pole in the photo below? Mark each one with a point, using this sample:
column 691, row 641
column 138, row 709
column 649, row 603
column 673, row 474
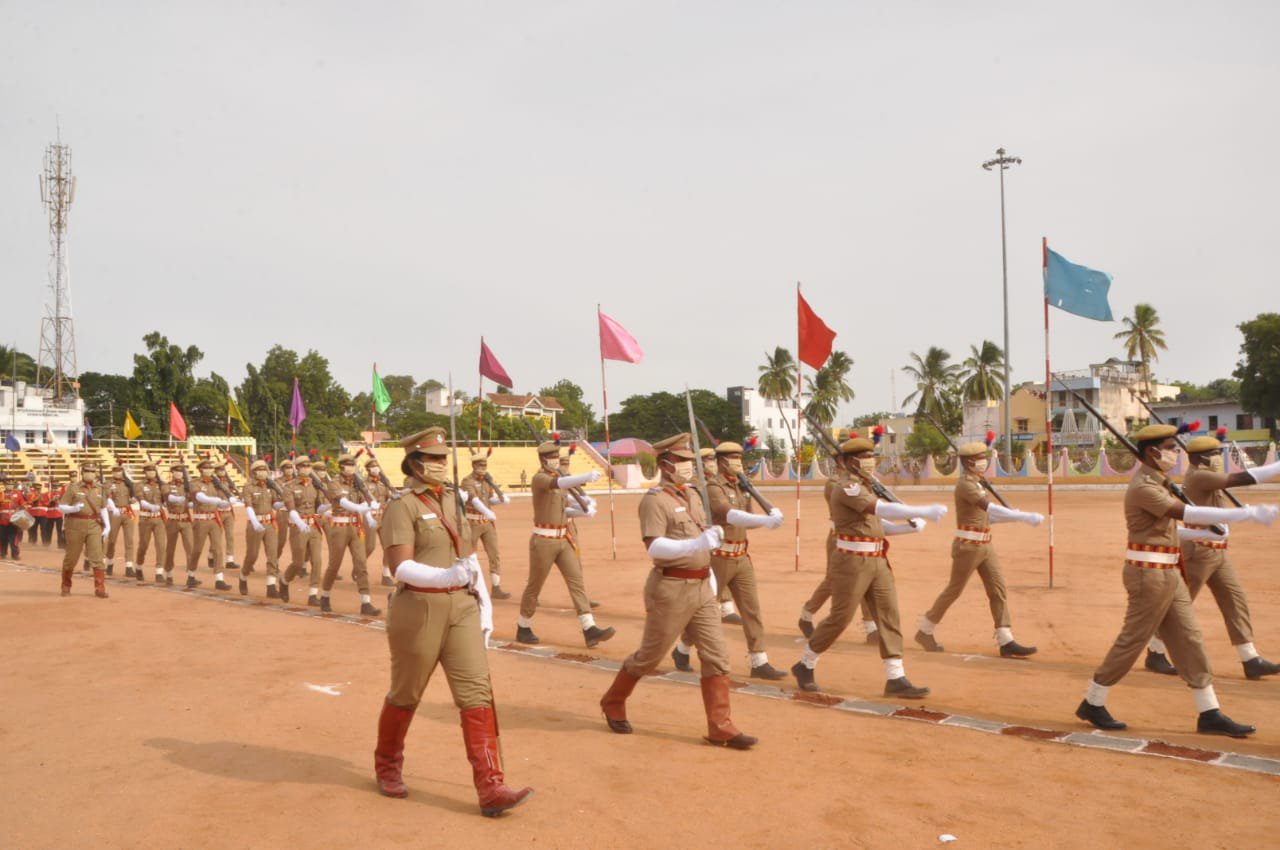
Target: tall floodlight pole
column 1003, row 162
column 57, row 333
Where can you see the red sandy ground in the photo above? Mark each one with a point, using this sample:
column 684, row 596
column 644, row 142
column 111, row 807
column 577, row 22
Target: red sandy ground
column 161, row 719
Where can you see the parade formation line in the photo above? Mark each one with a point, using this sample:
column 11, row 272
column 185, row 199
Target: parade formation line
column 1092, row 740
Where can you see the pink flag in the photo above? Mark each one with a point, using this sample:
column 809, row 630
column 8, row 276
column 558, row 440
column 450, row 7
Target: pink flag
column 616, row 343
column 490, row 367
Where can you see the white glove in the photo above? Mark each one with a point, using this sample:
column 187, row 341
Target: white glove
column 506, row 500
column 206, row 499
column 1201, row 534
column 114, row 508
column 370, row 520
column 667, row 549
column 1265, row 514
column 494, row 500
column 257, row 526
column 177, row 500
column 296, row 519
column 277, row 506
column 223, row 504
column 913, row 526
column 1200, row 515
column 744, row 519
column 573, row 510
column 106, row 524
column 1263, row 474
column 147, row 506
column 564, row 482
column 479, row 507
column 482, row 599
column 375, row 505
column 424, row 575
column 714, row 585
column 897, row 510
column 999, row 513
column 353, row 507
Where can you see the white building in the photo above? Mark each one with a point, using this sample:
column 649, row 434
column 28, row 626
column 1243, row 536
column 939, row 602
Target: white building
column 766, row 417
column 36, row 420
column 437, row 401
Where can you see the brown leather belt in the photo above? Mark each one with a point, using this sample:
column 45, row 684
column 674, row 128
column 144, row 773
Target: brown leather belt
column 680, row 572
column 416, row 589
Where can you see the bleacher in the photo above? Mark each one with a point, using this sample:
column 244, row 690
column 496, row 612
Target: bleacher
column 60, row 464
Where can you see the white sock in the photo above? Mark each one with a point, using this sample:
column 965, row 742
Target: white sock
column 218, row 576
column 386, row 571
column 756, row 659
column 191, row 573
column 111, row 562
column 893, row 668
column 524, row 622
column 1156, row 645
column 925, row 626
column 1097, row 694
column 324, row 594
column 271, row 581
column 159, row 571
column 1206, row 699
column 682, row 647
column 726, row 608
column 313, row 591
column 806, row 615
column 808, row 657
column 1246, row 651
column 586, row 621
column 1004, row 635
column 230, row 559
column 364, row 597
column 870, row 627
column 495, row 579
column 128, row 564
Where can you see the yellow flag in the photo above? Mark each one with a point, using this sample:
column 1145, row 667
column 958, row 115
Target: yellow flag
column 233, row 412
column 131, row 429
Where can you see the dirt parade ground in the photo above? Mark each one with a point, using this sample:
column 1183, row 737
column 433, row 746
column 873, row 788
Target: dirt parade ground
column 170, row 719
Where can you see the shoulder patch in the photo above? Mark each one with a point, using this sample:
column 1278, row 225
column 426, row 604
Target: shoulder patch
column 853, row 489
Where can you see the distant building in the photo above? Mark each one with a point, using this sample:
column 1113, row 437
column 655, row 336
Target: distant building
column 1246, row 429
column 437, row 401
column 769, row 419
column 36, row 420
column 542, row 407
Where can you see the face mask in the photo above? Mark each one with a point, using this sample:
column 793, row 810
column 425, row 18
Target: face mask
column 735, row 465
column 151, row 473
column 433, row 471
column 867, row 465
column 90, row 477
column 206, row 474
column 1215, row 463
column 177, row 476
column 375, row 471
column 118, row 476
column 551, row 462
column 348, row 471
column 1167, row 460
column 682, row 471
column 980, row 465
column 261, row 475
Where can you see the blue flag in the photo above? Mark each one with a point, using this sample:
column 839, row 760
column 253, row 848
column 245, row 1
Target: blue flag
column 1077, row 289
column 11, row 443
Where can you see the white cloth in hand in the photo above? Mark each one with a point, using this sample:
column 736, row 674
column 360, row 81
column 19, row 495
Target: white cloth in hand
column 898, row 510
column 482, row 599
column 425, row 575
column 564, row 482
column 745, row 519
column 1265, row 514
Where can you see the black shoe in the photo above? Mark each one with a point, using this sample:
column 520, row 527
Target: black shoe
column 111, row 568
column 272, row 592
column 388, row 581
column 284, row 592
column 192, row 582
column 244, row 587
column 313, row 601
column 498, row 593
column 766, row 671
column 1098, row 716
column 140, row 575
column 368, row 610
column 168, row 580
column 1214, row 722
column 927, row 641
column 222, row 585
column 234, row 567
column 302, row 573
column 806, row 628
column 1013, row 649
column 85, row 568
column 621, row 727
column 731, row 619
column 595, row 635
column 524, row 634
column 209, row 562
column 325, row 607
column 804, row 677
column 1157, row 663
column 1256, row 668
column 737, row 742
column 902, row 687
column 681, row 660
column 128, row 572
column 594, row 604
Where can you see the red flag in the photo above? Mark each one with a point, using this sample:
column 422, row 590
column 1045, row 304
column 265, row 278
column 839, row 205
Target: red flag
column 490, row 367
column 177, row 425
column 815, row 336
column 616, row 343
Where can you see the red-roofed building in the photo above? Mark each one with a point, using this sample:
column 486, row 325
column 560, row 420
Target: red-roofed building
column 544, row 407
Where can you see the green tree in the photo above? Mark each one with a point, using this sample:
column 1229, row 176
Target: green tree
column 657, row 415
column 16, row 365
column 1142, row 338
column 165, row 373
column 982, row 376
column 108, row 397
column 935, row 376
column 268, row 392
column 870, row 419
column 924, row 439
column 577, row 415
column 1259, row 368
column 830, row 388
column 777, row 375
column 1219, row 388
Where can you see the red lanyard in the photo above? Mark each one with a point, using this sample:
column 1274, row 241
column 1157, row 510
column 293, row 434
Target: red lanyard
column 453, row 535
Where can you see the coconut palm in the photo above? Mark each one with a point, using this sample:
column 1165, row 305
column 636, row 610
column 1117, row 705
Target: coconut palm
column 1142, row 338
column 934, row 376
column 830, row 388
column 14, row 365
column 983, row 374
column 777, row 375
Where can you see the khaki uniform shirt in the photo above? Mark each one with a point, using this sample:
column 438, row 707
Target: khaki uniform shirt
column 431, row 521
column 478, row 487
column 378, row 490
column 92, row 496
column 1146, row 504
column 300, row 496
column 548, row 500
column 675, row 514
column 210, row 489
column 118, row 493
column 260, row 497
column 339, row 488
column 725, row 496
column 1204, row 487
column 175, row 509
column 150, row 491
column 853, row 508
column 971, row 502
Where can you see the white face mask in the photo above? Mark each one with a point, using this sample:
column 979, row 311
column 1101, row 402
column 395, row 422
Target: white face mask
column 206, row 474
column 734, row 465
column 375, row 471
column 90, row 477
column 177, row 476
column 1215, row 463
column 260, row 474
column 867, row 465
column 348, row 471
column 551, row 463
column 117, row 475
column 682, row 471
column 980, row 465
column 1168, row 459
column 434, row 471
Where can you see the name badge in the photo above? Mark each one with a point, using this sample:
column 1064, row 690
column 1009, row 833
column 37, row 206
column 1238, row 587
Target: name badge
column 428, row 516
column 679, row 510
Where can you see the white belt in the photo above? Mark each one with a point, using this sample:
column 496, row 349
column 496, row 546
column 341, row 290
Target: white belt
column 553, row 533
column 474, row 517
column 864, row 547
column 975, row 536
column 148, row 514
column 203, row 516
column 1168, row 558
column 343, row 520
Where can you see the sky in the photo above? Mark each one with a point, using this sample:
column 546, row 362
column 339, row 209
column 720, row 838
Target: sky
column 388, row 181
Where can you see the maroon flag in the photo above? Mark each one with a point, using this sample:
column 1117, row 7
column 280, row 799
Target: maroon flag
column 490, row 367
column 815, row 336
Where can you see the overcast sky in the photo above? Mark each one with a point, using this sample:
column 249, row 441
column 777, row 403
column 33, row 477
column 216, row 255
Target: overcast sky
column 388, row 181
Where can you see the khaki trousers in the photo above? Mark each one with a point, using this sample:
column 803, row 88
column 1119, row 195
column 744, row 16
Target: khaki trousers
column 344, row 538
column 285, row 529
column 1160, row 605
column 149, row 527
column 675, row 606
column 303, row 549
column 126, row 525
column 486, row 533
column 202, row 530
column 1212, row 567
column 176, row 530
column 372, row 537
column 426, row 629
column 965, row 559
column 228, row 536
column 822, row 592
column 83, row 535
column 267, row 539
column 736, row 578
column 854, row 577
column 545, row 552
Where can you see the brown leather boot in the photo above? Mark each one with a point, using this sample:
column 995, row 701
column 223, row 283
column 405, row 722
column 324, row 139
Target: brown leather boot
column 99, row 584
column 614, row 702
column 66, row 581
column 480, row 732
column 388, row 757
column 720, row 729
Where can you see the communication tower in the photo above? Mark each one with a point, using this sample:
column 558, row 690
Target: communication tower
column 56, row 365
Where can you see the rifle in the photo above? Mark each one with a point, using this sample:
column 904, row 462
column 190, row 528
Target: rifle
column 986, row 485
column 744, row 483
column 1128, row 444
column 487, row 477
column 1182, row 443
column 881, row 491
column 576, row 492
column 697, row 457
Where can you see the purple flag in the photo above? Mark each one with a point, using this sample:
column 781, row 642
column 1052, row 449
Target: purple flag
column 297, row 413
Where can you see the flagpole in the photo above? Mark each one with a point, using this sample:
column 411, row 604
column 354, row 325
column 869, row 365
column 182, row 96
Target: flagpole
column 799, row 436
column 373, row 412
column 1048, row 402
column 608, row 441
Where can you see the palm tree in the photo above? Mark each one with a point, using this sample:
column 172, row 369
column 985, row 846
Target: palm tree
column 1142, row 338
column 14, row 365
column 983, row 375
column 933, row 376
column 830, row 388
column 777, row 375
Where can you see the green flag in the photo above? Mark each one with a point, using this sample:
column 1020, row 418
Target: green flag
column 381, row 398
